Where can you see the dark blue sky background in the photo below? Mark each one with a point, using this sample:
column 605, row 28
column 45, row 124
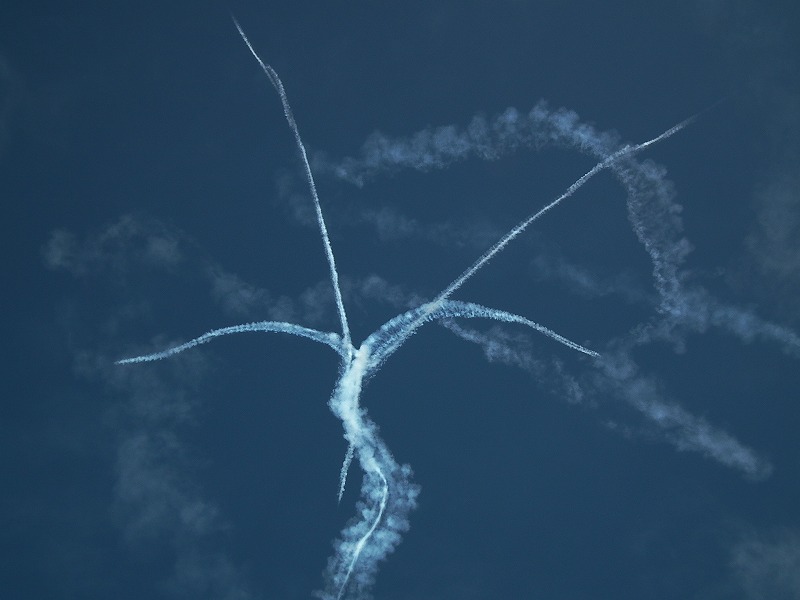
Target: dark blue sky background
column 151, row 192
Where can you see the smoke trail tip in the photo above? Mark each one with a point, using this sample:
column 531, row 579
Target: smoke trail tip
column 691, row 119
column 239, row 28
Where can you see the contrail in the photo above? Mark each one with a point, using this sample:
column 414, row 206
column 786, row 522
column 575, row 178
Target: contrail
column 348, row 458
column 287, row 111
column 654, row 215
column 503, row 241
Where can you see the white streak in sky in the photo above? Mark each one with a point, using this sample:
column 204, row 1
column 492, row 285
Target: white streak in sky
column 348, row 458
column 684, row 430
column 331, row 339
column 287, row 111
column 438, row 148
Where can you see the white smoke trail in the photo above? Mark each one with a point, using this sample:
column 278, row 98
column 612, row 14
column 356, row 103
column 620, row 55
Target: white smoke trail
column 331, row 339
column 388, row 338
column 387, row 493
column 287, row 111
column 621, row 377
column 622, row 380
column 655, row 218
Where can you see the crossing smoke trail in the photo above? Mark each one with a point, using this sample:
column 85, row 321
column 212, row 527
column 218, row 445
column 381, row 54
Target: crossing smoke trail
column 387, row 491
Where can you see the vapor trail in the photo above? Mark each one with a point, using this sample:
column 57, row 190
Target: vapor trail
column 502, row 242
column 348, row 458
column 359, row 547
column 287, row 111
column 331, row 339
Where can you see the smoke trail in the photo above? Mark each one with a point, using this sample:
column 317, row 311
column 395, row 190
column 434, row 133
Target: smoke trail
column 433, row 149
column 620, row 378
column 388, row 338
column 348, row 458
column 387, row 494
column 652, row 211
column 655, row 218
column 608, row 162
column 287, row 111
column 331, row 339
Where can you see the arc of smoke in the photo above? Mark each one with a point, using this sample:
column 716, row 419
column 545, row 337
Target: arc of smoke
column 385, row 340
column 331, row 339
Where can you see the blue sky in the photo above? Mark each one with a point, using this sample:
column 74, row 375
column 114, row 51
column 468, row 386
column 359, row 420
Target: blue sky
column 153, row 192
